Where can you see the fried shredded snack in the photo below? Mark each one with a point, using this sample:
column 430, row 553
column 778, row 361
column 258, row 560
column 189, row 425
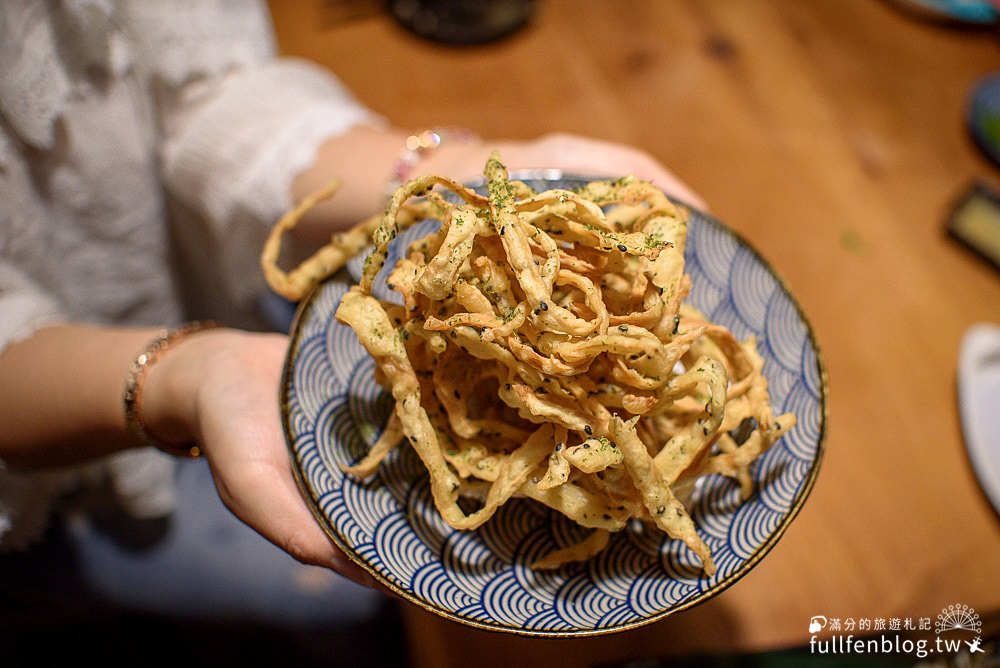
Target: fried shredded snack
column 543, row 349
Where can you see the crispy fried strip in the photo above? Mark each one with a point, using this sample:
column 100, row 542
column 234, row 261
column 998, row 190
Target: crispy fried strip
column 585, row 549
column 389, row 224
column 448, row 392
column 583, row 507
column 678, row 453
column 593, row 455
column 735, row 459
column 513, row 472
column 391, row 435
column 542, row 409
column 325, row 261
column 473, row 459
column 558, row 470
column 537, row 286
column 437, row 279
column 665, row 510
column 366, row 317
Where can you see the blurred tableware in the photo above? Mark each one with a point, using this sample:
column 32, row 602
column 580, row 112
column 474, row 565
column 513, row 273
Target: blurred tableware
column 983, row 115
column 462, row 21
column 979, row 404
column 965, row 12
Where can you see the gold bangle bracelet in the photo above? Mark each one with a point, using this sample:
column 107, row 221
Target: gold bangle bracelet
column 135, row 379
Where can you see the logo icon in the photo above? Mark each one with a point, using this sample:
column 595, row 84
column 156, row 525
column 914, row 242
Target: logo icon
column 974, row 645
column 817, row 624
column 958, row 618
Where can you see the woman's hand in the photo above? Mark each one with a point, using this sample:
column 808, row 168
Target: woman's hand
column 570, row 153
column 363, row 158
column 61, row 390
column 221, row 387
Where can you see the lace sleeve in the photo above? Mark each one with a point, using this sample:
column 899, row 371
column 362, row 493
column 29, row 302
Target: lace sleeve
column 244, row 143
column 141, row 479
column 25, row 499
column 238, row 125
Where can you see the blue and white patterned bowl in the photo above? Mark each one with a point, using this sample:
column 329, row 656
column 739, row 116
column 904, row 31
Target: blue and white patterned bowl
column 333, row 410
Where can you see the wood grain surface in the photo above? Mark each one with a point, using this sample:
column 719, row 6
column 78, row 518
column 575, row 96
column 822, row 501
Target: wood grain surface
column 830, row 134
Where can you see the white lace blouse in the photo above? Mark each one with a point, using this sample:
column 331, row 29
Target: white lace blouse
column 144, row 149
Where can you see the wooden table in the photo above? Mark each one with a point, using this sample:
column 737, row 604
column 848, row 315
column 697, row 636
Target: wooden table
column 830, row 133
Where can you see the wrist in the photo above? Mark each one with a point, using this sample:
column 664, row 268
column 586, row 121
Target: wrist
column 368, row 161
column 360, row 159
column 162, row 388
column 426, row 151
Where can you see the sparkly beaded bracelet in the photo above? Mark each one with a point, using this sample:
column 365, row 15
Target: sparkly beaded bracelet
column 417, row 147
column 135, row 379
